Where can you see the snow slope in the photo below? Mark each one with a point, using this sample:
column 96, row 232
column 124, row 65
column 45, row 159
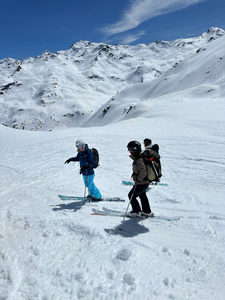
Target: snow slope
column 202, row 75
column 50, row 249
column 64, row 89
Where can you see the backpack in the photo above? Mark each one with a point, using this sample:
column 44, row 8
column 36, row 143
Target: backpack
column 153, row 163
column 95, row 155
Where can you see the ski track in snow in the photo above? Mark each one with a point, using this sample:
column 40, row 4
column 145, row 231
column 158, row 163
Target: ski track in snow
column 52, row 249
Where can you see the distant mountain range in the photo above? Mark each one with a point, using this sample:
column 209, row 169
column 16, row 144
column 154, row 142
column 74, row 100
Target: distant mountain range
column 96, row 84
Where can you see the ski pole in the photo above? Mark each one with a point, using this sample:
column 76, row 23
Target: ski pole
column 88, row 186
column 134, row 188
column 154, row 169
column 156, row 173
column 84, row 192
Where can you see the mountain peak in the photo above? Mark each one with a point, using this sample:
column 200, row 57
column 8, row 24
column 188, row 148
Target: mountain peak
column 214, row 31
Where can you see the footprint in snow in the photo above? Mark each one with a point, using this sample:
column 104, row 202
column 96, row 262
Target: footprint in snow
column 124, row 254
column 128, row 279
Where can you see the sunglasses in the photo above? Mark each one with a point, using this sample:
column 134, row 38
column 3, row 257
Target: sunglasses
column 81, row 146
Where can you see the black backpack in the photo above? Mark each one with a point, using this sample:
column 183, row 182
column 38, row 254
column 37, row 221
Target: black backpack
column 95, row 155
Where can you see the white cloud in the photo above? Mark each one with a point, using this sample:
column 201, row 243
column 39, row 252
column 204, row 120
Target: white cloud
column 126, row 38
column 143, row 10
column 129, row 38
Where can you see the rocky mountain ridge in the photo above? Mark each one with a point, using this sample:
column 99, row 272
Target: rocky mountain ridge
column 64, row 89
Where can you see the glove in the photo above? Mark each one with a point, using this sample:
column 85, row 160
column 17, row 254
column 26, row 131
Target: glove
column 86, row 167
column 67, row 161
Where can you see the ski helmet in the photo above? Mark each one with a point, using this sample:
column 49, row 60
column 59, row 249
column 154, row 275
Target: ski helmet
column 134, row 146
column 147, row 142
column 80, row 144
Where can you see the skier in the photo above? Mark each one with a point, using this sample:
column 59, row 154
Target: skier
column 147, row 143
column 87, row 163
column 141, row 182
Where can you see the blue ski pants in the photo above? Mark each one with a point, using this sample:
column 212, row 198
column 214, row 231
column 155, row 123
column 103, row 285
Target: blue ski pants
column 93, row 190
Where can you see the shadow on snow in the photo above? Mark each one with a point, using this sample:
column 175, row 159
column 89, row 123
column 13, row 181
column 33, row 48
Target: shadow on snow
column 70, row 206
column 130, row 228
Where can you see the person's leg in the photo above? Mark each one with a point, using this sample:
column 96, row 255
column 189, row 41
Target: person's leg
column 93, row 190
column 145, row 203
column 137, row 192
column 86, row 182
column 134, row 203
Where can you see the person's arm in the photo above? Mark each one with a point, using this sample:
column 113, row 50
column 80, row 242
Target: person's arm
column 142, row 171
column 76, row 158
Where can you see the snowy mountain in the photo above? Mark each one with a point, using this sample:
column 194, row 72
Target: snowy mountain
column 67, row 88
column 201, row 75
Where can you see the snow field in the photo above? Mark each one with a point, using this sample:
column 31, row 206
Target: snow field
column 53, row 249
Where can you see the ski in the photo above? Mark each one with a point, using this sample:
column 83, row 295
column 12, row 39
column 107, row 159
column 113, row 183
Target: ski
column 124, row 182
column 107, row 213
column 116, row 213
column 77, row 198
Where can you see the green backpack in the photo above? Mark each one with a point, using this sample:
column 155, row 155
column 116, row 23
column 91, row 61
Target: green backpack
column 153, row 163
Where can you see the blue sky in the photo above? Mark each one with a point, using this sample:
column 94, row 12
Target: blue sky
column 28, row 28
